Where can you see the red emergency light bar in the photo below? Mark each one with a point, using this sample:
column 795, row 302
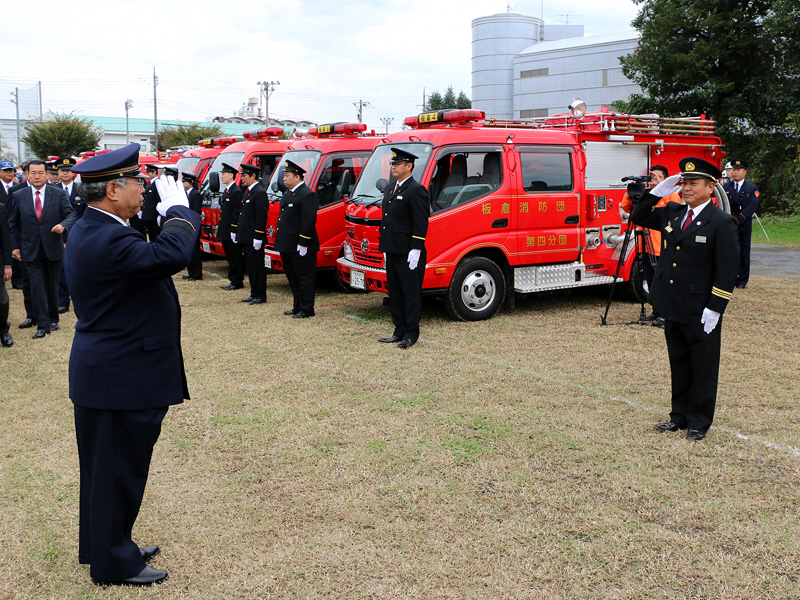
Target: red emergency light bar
column 446, row 116
column 265, row 133
column 217, row 142
column 88, row 154
column 338, row 129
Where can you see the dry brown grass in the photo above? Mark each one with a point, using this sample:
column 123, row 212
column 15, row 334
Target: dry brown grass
column 513, row 458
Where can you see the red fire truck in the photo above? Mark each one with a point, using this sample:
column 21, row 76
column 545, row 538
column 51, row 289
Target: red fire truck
column 517, row 207
column 198, row 161
column 261, row 147
column 333, row 156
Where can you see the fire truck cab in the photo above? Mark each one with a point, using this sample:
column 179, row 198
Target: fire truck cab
column 517, row 207
column 333, row 157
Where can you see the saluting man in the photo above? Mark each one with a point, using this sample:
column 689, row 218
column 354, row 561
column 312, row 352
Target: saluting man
column 404, row 225
column 297, row 241
column 252, row 232
column 230, row 209
column 129, row 323
column 693, row 283
column 744, row 203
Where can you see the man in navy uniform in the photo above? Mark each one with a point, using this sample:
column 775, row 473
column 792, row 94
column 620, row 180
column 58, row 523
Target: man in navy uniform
column 195, row 266
column 297, row 241
column 129, row 323
column 5, row 264
column 149, row 216
column 230, row 209
column 744, row 203
column 404, row 225
column 693, row 283
column 67, row 183
column 52, row 173
column 251, row 232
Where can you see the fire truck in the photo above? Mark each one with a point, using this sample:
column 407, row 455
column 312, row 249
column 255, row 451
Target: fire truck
column 260, row 147
column 518, row 207
column 198, row 161
column 333, row 157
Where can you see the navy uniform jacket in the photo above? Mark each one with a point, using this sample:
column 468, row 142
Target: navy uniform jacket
column 5, row 241
column 698, row 267
column 297, row 223
column 253, row 220
column 126, row 353
column 27, row 232
column 744, row 203
column 404, row 222
column 195, row 200
column 78, row 205
column 151, row 200
column 229, row 212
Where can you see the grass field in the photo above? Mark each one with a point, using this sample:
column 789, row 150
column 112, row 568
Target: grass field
column 511, row 458
column 782, row 231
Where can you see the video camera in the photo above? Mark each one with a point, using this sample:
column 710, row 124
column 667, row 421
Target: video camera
column 636, row 186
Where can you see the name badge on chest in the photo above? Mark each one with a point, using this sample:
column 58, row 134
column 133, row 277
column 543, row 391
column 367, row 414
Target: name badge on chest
column 399, row 197
column 700, row 239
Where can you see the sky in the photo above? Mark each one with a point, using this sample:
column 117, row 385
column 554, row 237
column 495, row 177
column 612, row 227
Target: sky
column 91, row 56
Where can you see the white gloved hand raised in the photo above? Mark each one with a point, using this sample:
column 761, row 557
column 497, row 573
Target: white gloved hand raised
column 669, row 186
column 709, row 320
column 413, row 258
column 233, row 237
column 139, row 214
column 257, row 244
column 171, row 193
column 301, row 250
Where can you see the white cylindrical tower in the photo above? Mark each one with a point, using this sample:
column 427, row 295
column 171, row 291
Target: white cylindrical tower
column 496, row 41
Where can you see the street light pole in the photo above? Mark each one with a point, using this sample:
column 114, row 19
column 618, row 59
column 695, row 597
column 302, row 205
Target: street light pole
column 267, row 87
column 386, row 122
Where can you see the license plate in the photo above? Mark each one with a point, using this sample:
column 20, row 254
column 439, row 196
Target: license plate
column 357, row 280
column 206, row 247
column 267, row 261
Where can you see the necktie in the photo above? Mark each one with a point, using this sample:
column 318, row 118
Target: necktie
column 688, row 221
column 396, row 187
column 37, row 206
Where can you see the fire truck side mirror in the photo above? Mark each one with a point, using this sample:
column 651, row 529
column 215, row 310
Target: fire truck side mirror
column 381, row 184
column 213, row 181
column 346, row 182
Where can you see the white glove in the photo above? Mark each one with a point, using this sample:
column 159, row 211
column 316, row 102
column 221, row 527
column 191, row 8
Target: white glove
column 413, row 258
column 709, row 319
column 669, row 186
column 171, row 193
column 257, row 244
column 139, row 214
column 301, row 250
column 233, row 237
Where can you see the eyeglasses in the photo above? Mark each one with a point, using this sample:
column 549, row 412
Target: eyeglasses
column 138, row 182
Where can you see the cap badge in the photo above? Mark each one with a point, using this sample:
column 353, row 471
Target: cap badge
column 690, row 166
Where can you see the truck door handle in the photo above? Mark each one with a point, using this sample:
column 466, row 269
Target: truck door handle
column 498, row 223
column 572, row 220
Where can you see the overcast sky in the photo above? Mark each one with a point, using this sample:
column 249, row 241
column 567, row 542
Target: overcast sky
column 208, row 54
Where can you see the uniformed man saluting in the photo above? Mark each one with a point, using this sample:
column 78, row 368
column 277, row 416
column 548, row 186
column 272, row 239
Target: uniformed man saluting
column 404, row 225
column 297, row 241
column 693, row 283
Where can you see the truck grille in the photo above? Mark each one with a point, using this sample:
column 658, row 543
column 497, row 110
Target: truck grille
column 368, row 258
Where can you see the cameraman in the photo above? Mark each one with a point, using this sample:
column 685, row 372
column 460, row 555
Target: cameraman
column 652, row 250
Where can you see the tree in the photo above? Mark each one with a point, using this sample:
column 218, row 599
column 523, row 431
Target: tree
column 449, row 100
column 61, row 135
column 186, row 135
column 435, row 101
column 737, row 61
column 462, row 101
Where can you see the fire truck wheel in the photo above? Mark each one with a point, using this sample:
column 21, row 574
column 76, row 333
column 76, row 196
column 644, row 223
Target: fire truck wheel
column 477, row 290
column 633, row 288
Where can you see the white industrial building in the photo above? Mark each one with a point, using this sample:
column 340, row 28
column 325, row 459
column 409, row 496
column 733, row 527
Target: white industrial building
column 522, row 68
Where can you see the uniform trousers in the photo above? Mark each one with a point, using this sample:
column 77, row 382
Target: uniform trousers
column 405, row 294
column 44, row 275
column 4, row 301
column 114, row 452
column 745, row 235
column 195, row 266
column 256, row 271
column 301, row 271
column 233, row 254
column 694, row 364
column 152, row 228
column 63, row 289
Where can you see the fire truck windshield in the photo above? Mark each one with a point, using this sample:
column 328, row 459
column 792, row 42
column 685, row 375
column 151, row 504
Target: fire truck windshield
column 233, row 159
column 188, row 164
column 305, row 159
column 378, row 171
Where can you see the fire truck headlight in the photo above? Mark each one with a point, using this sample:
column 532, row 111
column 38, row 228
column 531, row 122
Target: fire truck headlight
column 577, row 108
column 348, row 251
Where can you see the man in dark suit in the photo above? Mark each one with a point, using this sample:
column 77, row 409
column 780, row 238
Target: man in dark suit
column 251, row 232
column 19, row 280
column 693, row 283
column 129, row 323
column 5, row 263
column 230, row 209
column 38, row 217
column 404, row 225
column 744, row 203
column 67, row 183
column 195, row 266
column 149, row 216
column 297, row 241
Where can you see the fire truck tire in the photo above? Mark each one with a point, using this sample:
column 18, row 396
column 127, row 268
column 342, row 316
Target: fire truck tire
column 633, row 288
column 477, row 290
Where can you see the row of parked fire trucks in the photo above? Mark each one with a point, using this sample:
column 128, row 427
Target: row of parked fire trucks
column 516, row 207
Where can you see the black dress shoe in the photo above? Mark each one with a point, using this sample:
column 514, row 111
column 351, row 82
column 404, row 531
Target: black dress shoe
column 301, row 314
column 258, row 301
column 63, row 309
column 230, row 286
column 670, row 426
column 406, row 344
column 186, row 276
column 40, row 333
column 289, row 313
column 695, row 435
column 148, row 576
column 390, row 340
column 27, row 323
column 740, row 287
column 54, row 327
column 248, row 299
column 148, row 552
column 193, row 278
column 6, row 340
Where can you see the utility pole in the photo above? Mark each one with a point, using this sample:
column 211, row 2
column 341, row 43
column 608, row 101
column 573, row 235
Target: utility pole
column 128, row 105
column 15, row 93
column 425, row 107
column 267, row 88
column 40, row 101
column 360, row 106
column 155, row 109
column 386, row 122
